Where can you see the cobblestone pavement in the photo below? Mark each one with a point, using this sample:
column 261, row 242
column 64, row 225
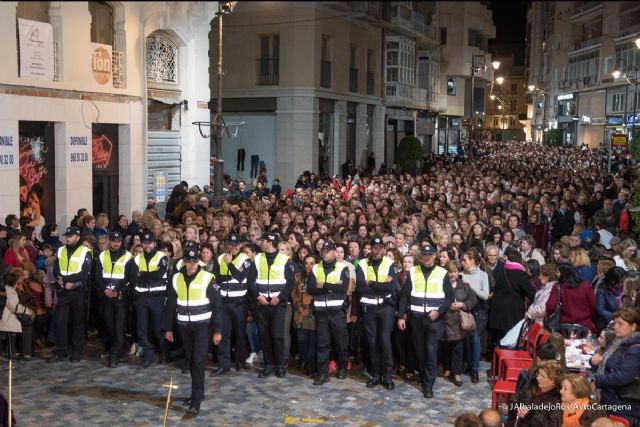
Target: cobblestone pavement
column 90, row 394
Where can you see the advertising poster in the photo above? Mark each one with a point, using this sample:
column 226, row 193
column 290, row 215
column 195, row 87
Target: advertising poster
column 37, row 169
column 36, row 49
column 104, row 149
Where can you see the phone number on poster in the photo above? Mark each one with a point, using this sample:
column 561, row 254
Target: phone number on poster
column 79, row 157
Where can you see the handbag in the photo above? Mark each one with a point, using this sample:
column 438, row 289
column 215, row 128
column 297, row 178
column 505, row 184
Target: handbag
column 552, row 321
column 467, row 321
column 629, row 392
column 24, row 319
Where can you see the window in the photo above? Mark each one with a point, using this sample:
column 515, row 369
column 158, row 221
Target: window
column 443, row 35
column 325, row 61
column 371, row 66
column 401, row 61
column 161, row 116
column 33, row 10
column 353, row 69
column 618, row 102
column 583, row 69
column 514, row 87
column 512, row 122
column 512, row 105
column 102, row 24
column 627, row 52
column 162, row 59
column 496, row 122
column 326, row 48
column 269, row 60
column 451, row 86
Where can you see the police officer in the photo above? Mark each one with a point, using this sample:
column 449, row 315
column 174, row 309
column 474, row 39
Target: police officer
column 194, row 297
column 427, row 295
column 149, row 280
column 71, row 270
column 270, row 282
column 328, row 284
column 111, row 280
column 376, row 283
column 233, row 268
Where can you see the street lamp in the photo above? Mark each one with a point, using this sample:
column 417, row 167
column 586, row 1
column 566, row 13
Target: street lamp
column 535, row 91
column 630, row 74
column 478, row 63
column 499, row 80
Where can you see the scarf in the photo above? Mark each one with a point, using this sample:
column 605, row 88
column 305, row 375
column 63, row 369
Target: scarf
column 571, row 416
column 618, row 293
column 613, row 347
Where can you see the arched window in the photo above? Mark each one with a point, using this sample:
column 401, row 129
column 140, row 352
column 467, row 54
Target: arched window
column 102, row 23
column 162, row 59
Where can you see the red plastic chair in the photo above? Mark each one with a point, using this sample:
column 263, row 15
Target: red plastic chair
column 511, row 368
column 620, row 420
column 502, row 388
column 500, row 354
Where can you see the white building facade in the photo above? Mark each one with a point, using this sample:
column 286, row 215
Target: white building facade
column 111, row 125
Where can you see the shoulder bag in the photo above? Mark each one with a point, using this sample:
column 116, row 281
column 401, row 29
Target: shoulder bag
column 552, row 321
column 467, row 321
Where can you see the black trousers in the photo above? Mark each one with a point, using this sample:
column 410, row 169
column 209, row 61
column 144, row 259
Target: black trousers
column 113, row 315
column 271, row 325
column 70, row 308
column 195, row 338
column 403, row 348
column 234, row 316
column 331, row 324
column 377, row 322
column 241, row 154
column 150, row 314
column 426, row 339
column 452, row 356
column 254, row 165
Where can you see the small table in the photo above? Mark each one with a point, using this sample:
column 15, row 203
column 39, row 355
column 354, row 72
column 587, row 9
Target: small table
column 578, row 353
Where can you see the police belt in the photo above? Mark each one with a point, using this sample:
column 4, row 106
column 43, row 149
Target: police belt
column 77, row 286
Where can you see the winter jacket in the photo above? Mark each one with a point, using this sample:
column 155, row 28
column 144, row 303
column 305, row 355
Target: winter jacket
column 506, row 308
column 538, row 309
column 620, row 369
column 9, row 321
column 606, row 305
column 578, row 305
column 452, row 324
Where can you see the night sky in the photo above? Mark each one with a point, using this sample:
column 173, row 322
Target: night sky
column 510, row 19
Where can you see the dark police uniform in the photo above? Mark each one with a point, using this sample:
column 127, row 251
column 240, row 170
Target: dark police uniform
column 232, row 279
column 148, row 277
column 112, row 273
column 73, row 265
column 377, row 282
column 272, row 275
column 427, row 289
column 328, row 284
column 194, row 301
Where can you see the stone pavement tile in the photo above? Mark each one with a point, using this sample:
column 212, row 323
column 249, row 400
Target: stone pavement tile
column 90, row 394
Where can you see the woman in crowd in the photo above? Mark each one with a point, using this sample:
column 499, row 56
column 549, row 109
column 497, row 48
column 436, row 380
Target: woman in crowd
column 9, row 323
column 619, row 366
column 580, row 260
column 402, row 342
column 102, row 225
column 576, row 296
column 609, row 296
column 477, row 279
column 533, row 271
column 578, row 407
column 540, row 407
column 507, row 305
column 304, row 321
column 538, row 308
column 465, row 300
column 628, row 256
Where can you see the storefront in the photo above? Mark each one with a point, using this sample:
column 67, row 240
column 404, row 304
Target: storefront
column 449, row 128
column 567, row 119
column 591, row 118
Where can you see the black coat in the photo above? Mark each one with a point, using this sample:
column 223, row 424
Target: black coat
column 452, row 324
column 539, row 418
column 506, row 307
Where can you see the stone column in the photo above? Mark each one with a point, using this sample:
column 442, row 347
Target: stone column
column 339, row 152
column 379, row 129
column 296, row 146
column 361, row 135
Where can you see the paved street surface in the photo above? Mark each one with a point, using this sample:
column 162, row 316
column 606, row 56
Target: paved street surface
column 90, row 394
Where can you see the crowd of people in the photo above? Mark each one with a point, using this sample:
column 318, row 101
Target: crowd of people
column 417, row 275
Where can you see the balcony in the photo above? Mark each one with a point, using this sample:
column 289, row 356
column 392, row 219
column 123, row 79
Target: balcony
column 325, row 74
column 402, row 95
column 367, row 11
column 587, row 43
column 585, row 11
column 353, row 79
column 404, row 20
column 625, row 31
column 268, row 71
column 370, row 80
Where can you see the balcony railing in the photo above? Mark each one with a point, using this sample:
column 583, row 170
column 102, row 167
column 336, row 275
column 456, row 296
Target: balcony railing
column 369, row 8
column 118, row 69
column 268, row 71
column 353, row 79
column 402, row 15
column 370, row 80
column 625, row 31
column 56, row 64
column 402, row 95
column 586, row 43
column 325, row 74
